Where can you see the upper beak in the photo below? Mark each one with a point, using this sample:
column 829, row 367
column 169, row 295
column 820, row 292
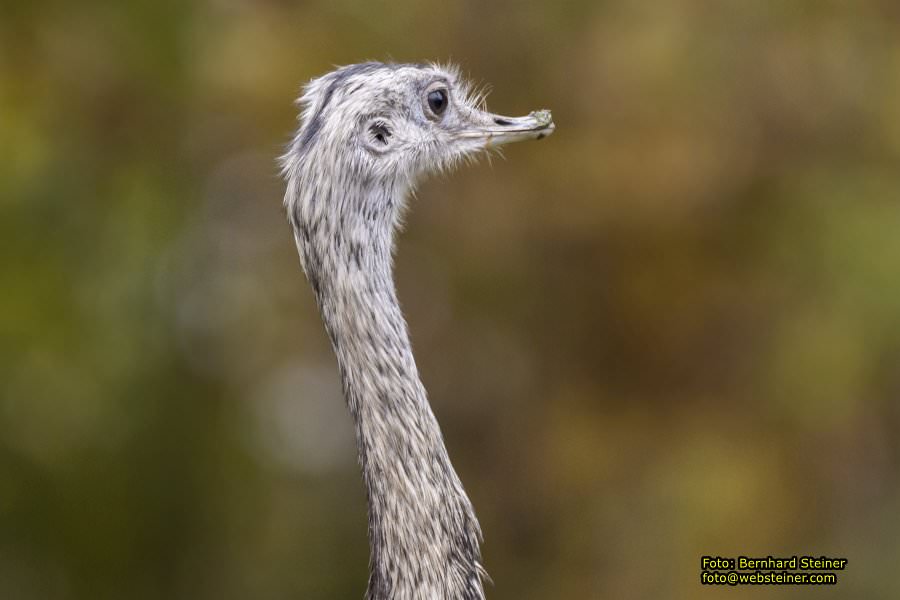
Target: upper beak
column 496, row 130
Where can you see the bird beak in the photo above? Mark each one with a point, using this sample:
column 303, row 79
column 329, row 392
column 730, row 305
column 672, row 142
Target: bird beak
column 495, row 130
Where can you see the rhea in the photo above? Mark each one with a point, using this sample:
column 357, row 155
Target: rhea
column 368, row 133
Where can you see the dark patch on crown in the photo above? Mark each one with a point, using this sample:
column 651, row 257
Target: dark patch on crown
column 338, row 78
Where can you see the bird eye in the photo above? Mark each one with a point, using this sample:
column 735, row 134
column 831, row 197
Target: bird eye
column 437, row 101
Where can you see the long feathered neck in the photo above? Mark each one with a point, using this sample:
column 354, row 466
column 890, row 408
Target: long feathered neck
column 423, row 534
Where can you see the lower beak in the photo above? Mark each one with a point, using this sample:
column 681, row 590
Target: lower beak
column 501, row 130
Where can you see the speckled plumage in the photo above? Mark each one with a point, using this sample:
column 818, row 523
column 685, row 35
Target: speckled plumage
column 367, row 133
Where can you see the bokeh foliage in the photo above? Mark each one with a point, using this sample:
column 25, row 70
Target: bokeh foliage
column 671, row 329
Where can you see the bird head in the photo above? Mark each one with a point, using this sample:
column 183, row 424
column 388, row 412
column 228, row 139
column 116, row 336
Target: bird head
column 395, row 122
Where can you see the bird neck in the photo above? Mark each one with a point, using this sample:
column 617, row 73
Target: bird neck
column 423, row 533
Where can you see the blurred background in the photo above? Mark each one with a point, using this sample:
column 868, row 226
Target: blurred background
column 671, row 329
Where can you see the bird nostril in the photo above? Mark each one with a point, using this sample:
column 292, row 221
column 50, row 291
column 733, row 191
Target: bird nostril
column 500, row 121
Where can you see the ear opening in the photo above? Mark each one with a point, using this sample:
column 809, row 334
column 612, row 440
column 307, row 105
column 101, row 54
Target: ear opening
column 380, row 132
